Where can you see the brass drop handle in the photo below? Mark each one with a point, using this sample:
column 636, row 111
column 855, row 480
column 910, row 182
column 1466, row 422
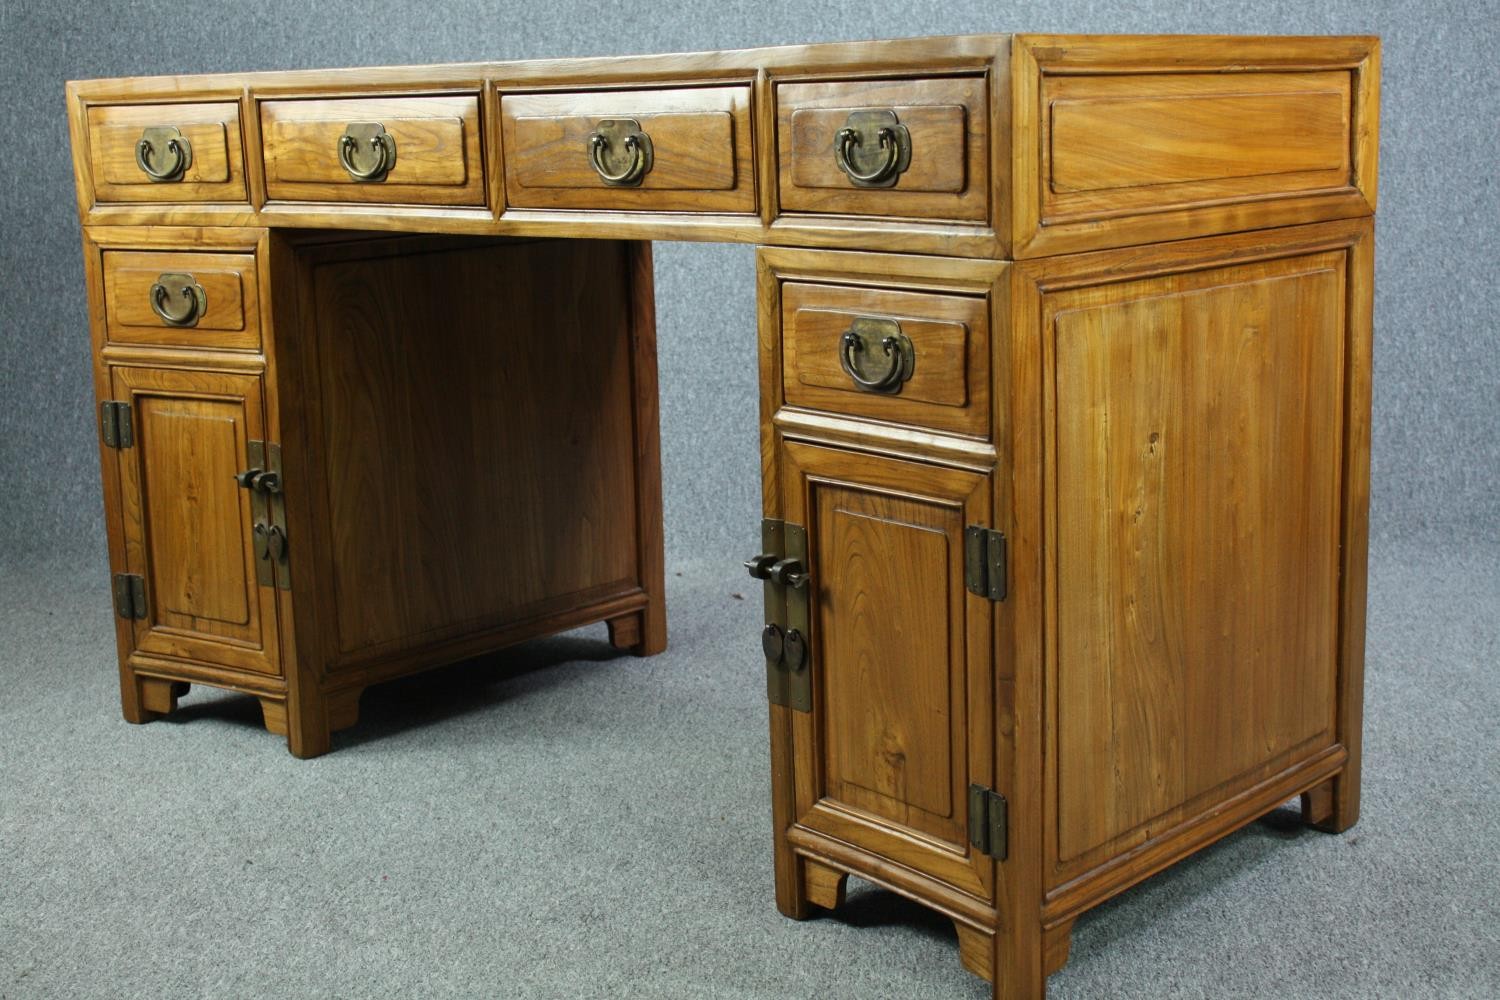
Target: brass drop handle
column 873, row 148
column 856, row 343
column 178, row 300
column 167, row 144
column 620, row 152
column 367, row 152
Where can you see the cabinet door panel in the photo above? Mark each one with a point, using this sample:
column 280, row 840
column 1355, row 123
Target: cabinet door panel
column 903, row 669
column 1196, row 455
column 188, row 527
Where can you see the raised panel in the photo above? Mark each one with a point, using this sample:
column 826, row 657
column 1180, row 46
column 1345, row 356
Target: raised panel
column 903, row 671
column 1196, row 455
column 188, row 525
column 1120, row 141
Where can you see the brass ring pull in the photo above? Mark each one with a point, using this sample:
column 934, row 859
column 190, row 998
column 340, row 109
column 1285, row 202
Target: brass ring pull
column 367, row 139
column 848, row 139
column 181, row 288
column 873, row 148
column 856, row 344
column 163, row 142
column 634, row 148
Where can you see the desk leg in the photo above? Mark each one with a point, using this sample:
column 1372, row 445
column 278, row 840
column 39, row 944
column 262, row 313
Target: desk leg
column 648, row 633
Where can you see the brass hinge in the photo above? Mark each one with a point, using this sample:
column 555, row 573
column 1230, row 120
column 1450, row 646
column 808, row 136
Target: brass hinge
column 263, row 479
column 987, row 822
column 782, row 565
column 130, row 595
column 984, row 562
column 115, row 424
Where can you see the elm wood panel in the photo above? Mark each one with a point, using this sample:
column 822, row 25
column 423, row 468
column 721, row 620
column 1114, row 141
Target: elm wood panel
column 948, row 120
column 217, row 169
column 476, row 449
column 949, row 389
column 701, row 139
column 1186, row 109
column 1119, row 144
column 902, row 667
column 230, row 320
column 1195, row 480
column 439, row 160
column 187, row 523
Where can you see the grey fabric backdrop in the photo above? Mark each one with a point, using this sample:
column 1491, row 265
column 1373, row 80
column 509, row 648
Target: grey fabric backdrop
column 1435, row 439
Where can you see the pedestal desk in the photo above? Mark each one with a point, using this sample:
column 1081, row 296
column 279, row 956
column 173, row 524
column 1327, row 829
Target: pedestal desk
column 1065, row 390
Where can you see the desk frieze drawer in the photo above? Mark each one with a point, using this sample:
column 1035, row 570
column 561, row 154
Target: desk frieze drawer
column 910, row 149
column 180, row 299
column 380, row 150
column 166, row 153
column 674, row 150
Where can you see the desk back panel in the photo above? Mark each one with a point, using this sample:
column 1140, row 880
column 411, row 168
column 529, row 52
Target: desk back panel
column 469, row 412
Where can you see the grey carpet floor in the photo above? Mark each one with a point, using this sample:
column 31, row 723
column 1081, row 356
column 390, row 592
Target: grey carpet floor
column 558, row 821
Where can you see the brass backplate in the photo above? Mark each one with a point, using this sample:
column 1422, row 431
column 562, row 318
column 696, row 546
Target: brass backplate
column 372, row 155
column 874, row 369
column 164, row 153
column 625, row 164
column 868, row 156
column 772, row 531
column 799, row 681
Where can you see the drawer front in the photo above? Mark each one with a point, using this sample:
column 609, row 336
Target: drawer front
column 834, row 338
column 204, row 300
column 914, row 149
column 166, row 153
column 386, row 150
column 684, row 150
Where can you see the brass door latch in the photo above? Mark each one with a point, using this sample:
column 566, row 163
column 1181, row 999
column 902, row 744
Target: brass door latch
column 267, row 513
column 782, row 567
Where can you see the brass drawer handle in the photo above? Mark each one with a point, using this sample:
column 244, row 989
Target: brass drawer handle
column 873, row 149
column 181, row 288
column 367, row 152
column 167, row 143
column 858, row 344
column 620, row 140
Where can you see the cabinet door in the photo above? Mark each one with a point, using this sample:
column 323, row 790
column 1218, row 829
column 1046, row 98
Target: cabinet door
column 188, row 528
column 902, row 659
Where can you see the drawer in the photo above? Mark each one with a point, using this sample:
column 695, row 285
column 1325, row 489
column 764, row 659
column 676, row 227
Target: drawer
column 938, row 375
column 166, row 152
column 205, row 300
column 913, row 149
column 385, row 150
column 681, row 150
